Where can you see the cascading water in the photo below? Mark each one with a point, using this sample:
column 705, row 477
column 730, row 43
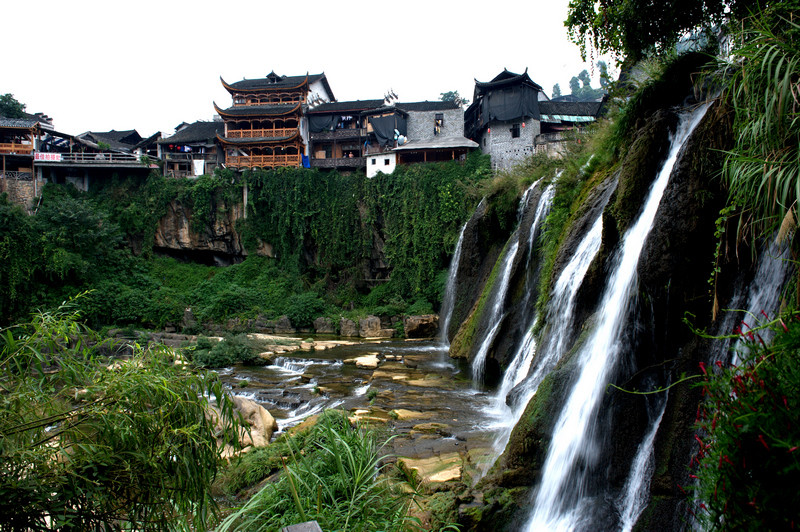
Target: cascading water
column 449, row 299
column 562, row 500
column 498, row 296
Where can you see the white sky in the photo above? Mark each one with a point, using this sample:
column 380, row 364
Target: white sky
column 150, row 65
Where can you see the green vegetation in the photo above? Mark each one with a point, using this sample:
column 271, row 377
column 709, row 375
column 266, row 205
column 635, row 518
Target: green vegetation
column 749, row 453
column 323, row 227
column 335, row 479
column 10, row 107
column 763, row 169
column 88, row 442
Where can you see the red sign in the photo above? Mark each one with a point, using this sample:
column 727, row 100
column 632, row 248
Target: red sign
column 42, row 156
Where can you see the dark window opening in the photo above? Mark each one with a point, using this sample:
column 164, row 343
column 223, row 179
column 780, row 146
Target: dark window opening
column 386, row 162
column 515, row 131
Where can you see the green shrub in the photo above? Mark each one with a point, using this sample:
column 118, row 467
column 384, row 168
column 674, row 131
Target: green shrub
column 302, row 309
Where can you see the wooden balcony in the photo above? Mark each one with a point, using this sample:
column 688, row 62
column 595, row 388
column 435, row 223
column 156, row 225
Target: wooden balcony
column 262, row 161
column 16, row 147
column 260, row 133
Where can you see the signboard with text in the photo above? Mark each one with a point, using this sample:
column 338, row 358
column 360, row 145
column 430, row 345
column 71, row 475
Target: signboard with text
column 43, row 156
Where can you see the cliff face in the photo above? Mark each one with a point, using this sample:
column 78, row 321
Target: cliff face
column 219, row 240
column 672, row 271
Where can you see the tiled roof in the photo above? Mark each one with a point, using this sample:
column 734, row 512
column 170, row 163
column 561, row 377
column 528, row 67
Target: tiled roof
column 256, row 110
column 437, row 105
column 506, row 78
column 274, row 82
column 570, row 108
column 352, row 107
column 118, row 136
column 440, row 143
column 17, row 122
column 197, row 132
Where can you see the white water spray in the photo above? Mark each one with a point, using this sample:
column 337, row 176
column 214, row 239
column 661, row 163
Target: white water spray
column 562, row 502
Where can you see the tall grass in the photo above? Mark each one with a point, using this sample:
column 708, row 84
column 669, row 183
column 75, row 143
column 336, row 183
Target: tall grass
column 336, row 481
column 762, row 171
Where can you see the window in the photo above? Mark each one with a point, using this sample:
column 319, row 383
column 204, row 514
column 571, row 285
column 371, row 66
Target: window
column 438, row 123
column 374, row 161
column 515, row 131
column 386, row 162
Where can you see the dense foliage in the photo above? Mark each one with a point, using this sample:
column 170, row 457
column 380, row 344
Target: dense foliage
column 749, row 454
column 633, row 29
column 763, row 169
column 335, row 480
column 92, row 443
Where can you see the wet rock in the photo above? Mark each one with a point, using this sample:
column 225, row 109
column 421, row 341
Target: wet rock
column 426, row 326
column 323, row 325
column 443, row 468
column 348, row 327
column 260, row 422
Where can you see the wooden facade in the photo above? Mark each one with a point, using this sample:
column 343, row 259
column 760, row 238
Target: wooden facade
column 263, row 126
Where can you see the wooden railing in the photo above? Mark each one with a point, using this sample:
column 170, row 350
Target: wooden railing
column 259, row 133
column 99, row 158
column 15, row 147
column 262, row 161
column 340, row 134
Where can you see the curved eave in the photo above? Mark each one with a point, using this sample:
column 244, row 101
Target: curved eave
column 230, row 88
column 259, row 140
column 255, row 111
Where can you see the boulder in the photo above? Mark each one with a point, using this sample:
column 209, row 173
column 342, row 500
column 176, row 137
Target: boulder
column 348, row 328
column 284, row 326
column 255, row 417
column 426, row 326
column 324, row 325
column 369, row 327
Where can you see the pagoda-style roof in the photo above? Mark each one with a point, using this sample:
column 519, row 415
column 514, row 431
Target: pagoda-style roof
column 274, row 82
column 504, row 79
column 257, row 140
column 278, row 109
column 18, row 123
column 437, row 105
column 196, row 132
column 575, row 109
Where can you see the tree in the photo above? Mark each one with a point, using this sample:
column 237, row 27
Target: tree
column 605, row 80
column 10, row 107
column 453, row 96
column 89, row 443
column 556, row 90
column 581, row 87
column 637, row 28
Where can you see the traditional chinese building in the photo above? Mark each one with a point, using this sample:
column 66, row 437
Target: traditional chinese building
column 265, row 127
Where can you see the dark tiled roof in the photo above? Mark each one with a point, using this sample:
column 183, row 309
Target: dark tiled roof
column 570, row 108
column 256, row 110
column 129, row 136
column 18, row 122
column 274, row 82
column 437, row 105
column 197, row 132
column 352, row 107
column 507, row 78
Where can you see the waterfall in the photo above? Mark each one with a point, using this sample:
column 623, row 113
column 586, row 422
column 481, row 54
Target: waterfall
column 562, row 500
column 497, row 296
column 449, row 299
column 559, row 312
